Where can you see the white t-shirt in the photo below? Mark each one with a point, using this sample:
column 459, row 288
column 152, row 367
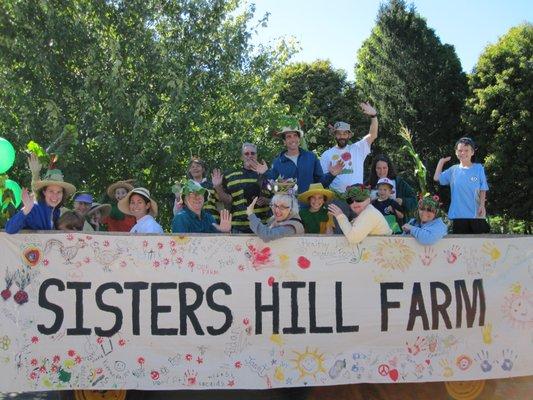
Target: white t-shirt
column 353, row 156
column 146, row 224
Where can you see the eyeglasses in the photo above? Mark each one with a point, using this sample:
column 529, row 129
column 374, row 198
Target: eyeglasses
column 279, row 207
column 249, row 153
column 427, row 209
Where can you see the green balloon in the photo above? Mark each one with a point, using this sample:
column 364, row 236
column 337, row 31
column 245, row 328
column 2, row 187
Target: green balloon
column 15, row 188
column 7, row 155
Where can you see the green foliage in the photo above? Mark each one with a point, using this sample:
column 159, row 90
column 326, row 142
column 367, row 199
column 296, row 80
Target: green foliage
column 145, row 84
column 420, row 170
column 506, row 225
column 412, row 78
column 320, row 95
column 498, row 114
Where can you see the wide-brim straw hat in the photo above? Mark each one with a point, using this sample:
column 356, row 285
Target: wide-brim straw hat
column 314, row 189
column 105, row 209
column 124, row 204
column 55, row 177
column 120, row 184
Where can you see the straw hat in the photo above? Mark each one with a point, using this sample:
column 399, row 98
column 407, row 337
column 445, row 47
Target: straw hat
column 127, row 184
column 124, row 204
column 105, row 209
column 316, row 188
column 55, row 177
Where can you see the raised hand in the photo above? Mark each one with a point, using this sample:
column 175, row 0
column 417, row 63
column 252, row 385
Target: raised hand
column 250, row 208
column 28, row 200
column 335, row 210
column 260, row 168
column 444, row 160
column 217, row 177
column 225, row 222
column 34, row 164
column 336, row 169
column 262, row 201
column 367, row 109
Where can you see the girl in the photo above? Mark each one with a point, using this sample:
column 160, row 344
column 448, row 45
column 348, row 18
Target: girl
column 427, row 229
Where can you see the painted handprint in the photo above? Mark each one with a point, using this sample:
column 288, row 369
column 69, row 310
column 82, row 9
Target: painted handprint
column 418, row 346
column 508, row 359
column 428, row 256
column 447, row 371
column 490, row 249
column 452, row 254
column 190, row 377
column 484, row 363
column 486, row 332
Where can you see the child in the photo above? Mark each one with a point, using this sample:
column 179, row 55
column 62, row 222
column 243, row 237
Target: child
column 96, row 215
column 316, row 218
column 139, row 204
column 70, row 221
column 390, row 209
column 427, row 229
column 468, row 185
column 117, row 221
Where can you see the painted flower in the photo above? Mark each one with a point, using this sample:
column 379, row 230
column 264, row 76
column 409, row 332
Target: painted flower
column 156, row 264
column 188, row 357
column 33, row 362
column 35, row 339
column 56, row 359
column 106, row 243
column 122, row 342
column 71, row 353
column 160, row 245
column 100, row 340
column 199, row 360
column 140, row 360
column 46, row 262
column 238, row 364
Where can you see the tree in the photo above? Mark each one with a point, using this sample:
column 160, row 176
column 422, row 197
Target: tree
column 146, row 84
column 320, row 95
column 498, row 114
column 414, row 79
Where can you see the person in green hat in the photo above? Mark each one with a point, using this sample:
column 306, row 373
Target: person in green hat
column 368, row 220
column 428, row 228
column 193, row 218
column 316, row 218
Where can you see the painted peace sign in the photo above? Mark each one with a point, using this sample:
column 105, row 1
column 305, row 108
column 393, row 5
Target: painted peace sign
column 383, row 369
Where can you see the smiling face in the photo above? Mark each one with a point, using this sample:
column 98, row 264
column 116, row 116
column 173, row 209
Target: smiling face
column 195, row 202
column 426, row 214
column 196, row 170
column 316, row 201
column 464, row 153
column 382, row 169
column 384, row 191
column 358, row 206
column 342, row 137
column 139, row 207
column 120, row 193
column 292, row 141
column 53, row 194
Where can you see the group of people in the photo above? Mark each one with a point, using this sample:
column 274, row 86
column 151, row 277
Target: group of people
column 300, row 193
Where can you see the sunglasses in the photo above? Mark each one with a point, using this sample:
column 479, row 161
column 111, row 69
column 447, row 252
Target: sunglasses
column 427, row 209
column 250, row 153
column 351, row 200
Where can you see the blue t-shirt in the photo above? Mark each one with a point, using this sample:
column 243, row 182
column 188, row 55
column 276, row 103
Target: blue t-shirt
column 465, row 185
column 188, row 222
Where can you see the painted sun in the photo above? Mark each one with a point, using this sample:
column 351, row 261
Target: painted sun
column 394, row 254
column 309, row 363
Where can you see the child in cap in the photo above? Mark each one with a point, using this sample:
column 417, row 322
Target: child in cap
column 316, row 218
column 96, row 215
column 117, row 221
column 140, row 205
column 427, row 229
column 387, row 206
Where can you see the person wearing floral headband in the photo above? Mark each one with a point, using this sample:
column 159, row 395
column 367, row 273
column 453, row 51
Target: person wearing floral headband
column 193, row 218
column 369, row 221
column 285, row 220
column 427, row 229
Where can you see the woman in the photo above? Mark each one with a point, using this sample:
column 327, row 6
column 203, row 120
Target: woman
column 52, row 192
column 468, row 185
column 285, row 220
column 427, row 229
column 193, row 218
column 368, row 220
column 403, row 194
column 197, row 172
column 139, row 204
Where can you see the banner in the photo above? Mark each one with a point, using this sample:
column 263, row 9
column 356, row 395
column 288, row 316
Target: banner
column 152, row 312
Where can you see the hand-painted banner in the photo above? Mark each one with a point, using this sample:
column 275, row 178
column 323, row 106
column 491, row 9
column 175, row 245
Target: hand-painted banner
column 205, row 312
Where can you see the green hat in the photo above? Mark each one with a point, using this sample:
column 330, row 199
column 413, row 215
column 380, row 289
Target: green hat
column 289, row 124
column 357, row 192
column 189, row 187
column 429, row 201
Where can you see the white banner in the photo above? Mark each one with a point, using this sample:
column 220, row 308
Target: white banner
column 211, row 312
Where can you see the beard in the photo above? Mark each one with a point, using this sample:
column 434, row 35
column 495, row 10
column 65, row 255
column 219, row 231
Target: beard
column 341, row 143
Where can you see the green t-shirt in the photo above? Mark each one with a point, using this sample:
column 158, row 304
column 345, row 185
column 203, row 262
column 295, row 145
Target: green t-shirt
column 316, row 222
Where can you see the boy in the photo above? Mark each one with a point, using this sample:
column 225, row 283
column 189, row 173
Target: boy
column 390, row 209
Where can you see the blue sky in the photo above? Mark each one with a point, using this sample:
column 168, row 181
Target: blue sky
column 335, row 29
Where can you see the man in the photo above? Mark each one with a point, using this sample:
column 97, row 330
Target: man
column 353, row 155
column 237, row 190
column 82, row 205
column 300, row 164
